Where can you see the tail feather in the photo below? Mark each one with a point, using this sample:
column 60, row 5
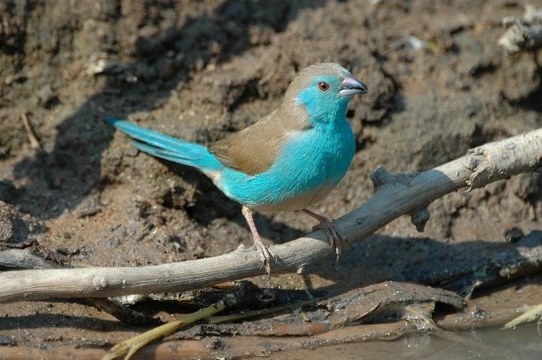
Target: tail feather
column 167, row 147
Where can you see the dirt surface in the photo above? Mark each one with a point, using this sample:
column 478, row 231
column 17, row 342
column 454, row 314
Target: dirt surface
column 199, row 70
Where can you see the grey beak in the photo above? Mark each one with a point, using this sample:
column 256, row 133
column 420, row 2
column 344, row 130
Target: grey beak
column 351, row 86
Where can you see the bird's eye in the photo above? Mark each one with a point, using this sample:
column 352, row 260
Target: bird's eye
column 323, row 86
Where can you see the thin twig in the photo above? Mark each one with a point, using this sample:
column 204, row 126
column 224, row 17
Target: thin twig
column 34, row 142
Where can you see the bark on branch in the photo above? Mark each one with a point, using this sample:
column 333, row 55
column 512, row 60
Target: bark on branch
column 395, row 196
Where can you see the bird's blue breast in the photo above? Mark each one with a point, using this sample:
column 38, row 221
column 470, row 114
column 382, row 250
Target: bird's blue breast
column 309, row 165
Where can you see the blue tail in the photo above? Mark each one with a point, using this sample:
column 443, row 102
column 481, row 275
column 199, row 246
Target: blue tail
column 167, row 147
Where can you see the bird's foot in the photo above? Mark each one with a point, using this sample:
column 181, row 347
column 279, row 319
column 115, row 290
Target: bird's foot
column 267, row 255
column 334, row 237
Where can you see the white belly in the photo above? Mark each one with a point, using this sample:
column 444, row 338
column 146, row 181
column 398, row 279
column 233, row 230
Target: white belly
column 299, row 202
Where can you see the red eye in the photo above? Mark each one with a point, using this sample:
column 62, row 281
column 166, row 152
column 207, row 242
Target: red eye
column 323, row 86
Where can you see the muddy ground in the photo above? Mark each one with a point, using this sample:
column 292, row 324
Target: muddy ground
column 199, row 70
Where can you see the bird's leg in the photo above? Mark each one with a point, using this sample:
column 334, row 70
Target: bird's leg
column 334, row 237
column 265, row 253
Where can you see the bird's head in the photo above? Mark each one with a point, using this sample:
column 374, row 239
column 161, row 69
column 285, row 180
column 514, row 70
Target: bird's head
column 324, row 90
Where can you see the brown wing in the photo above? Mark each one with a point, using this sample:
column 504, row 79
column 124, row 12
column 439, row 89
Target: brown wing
column 253, row 149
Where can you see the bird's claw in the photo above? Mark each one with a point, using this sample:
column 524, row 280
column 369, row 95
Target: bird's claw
column 267, row 255
column 334, row 237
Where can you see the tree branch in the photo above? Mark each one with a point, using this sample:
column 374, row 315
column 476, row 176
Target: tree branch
column 395, row 196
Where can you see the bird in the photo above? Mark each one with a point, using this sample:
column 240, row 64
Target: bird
column 287, row 161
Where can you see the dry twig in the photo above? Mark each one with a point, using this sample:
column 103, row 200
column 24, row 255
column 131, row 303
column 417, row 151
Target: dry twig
column 34, row 142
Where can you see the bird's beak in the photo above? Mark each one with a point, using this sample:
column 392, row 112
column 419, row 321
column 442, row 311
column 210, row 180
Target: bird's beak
column 351, row 86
